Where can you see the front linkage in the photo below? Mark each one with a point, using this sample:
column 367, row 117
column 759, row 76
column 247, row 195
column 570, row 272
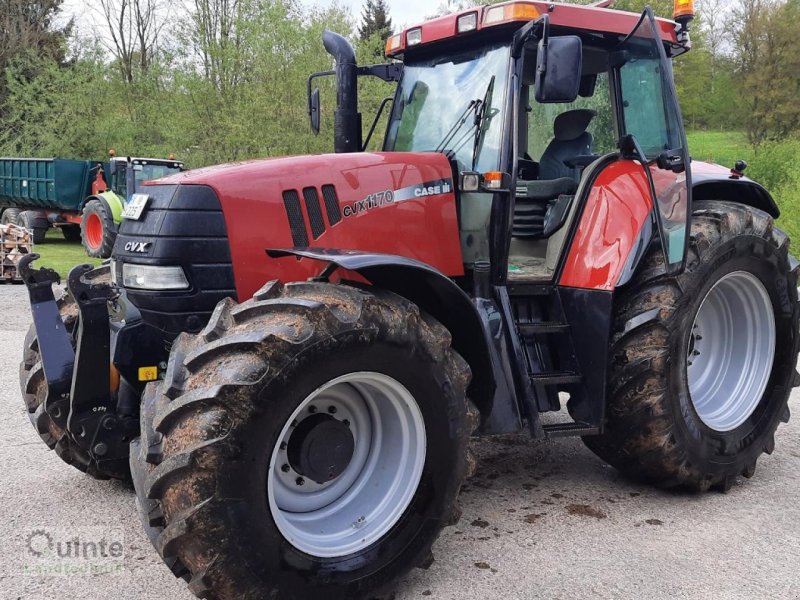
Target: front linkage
column 81, row 383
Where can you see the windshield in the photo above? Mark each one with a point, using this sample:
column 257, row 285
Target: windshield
column 150, row 172
column 454, row 105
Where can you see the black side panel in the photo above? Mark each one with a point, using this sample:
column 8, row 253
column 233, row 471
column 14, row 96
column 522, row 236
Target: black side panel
column 292, row 202
column 314, row 210
column 182, row 225
column 332, row 204
column 589, row 314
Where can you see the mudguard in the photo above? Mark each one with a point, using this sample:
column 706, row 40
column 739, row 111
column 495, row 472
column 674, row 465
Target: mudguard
column 429, row 289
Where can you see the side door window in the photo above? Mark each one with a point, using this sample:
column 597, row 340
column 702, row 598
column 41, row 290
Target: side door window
column 651, row 113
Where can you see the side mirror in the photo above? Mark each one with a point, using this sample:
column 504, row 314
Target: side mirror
column 558, row 69
column 313, row 111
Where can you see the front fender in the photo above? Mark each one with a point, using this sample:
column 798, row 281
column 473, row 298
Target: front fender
column 114, row 203
column 433, row 292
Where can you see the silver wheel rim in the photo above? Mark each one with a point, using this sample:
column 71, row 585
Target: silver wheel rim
column 366, row 500
column 731, row 351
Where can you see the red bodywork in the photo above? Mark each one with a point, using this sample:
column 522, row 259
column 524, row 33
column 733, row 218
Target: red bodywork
column 571, row 16
column 619, row 204
column 419, row 220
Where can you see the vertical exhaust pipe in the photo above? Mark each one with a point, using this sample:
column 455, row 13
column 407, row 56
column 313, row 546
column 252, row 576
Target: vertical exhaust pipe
column 347, row 119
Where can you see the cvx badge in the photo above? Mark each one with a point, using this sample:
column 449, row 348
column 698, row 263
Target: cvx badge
column 138, row 247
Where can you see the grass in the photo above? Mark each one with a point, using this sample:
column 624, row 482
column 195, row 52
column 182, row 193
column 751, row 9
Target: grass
column 721, row 147
column 61, row 255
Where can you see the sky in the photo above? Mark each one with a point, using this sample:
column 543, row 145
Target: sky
column 403, row 12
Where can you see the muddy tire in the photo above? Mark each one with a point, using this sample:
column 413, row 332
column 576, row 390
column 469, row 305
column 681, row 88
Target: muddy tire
column 259, row 419
column 98, row 230
column 702, row 364
column 34, row 390
column 10, row 216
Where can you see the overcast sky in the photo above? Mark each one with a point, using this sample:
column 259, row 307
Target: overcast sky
column 403, row 12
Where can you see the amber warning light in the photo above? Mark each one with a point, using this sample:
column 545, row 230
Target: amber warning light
column 684, row 11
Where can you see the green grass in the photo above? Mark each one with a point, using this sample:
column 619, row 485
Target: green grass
column 61, row 255
column 721, row 147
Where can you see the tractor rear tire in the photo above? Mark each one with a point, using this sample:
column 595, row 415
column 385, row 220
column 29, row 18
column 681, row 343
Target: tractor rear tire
column 34, row 391
column 98, row 230
column 10, row 216
column 247, row 502
column 28, row 220
column 694, row 413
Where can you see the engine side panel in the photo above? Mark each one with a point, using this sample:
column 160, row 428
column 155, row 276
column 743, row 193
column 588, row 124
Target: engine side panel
column 618, row 206
column 392, row 203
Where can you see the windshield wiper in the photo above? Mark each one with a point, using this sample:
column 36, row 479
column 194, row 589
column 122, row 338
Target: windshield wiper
column 482, row 114
column 472, row 107
column 483, row 118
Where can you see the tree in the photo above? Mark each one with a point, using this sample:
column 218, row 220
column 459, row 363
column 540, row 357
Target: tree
column 375, row 20
column 766, row 42
column 27, row 27
column 134, row 27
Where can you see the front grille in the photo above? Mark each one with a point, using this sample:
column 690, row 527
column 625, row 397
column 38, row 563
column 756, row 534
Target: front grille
column 182, row 225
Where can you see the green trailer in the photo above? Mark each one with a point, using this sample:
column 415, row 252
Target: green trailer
column 83, row 198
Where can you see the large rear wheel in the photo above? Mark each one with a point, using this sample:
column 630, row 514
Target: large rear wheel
column 702, row 364
column 310, row 442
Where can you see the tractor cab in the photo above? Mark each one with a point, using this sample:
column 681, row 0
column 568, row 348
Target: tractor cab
column 534, row 96
column 126, row 174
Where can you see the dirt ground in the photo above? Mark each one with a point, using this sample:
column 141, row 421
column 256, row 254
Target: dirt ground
column 546, row 520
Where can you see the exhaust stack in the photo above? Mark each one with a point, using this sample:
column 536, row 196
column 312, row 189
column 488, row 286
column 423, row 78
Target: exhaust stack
column 347, row 119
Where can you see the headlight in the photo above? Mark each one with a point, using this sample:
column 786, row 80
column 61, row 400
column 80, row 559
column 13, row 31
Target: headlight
column 144, row 277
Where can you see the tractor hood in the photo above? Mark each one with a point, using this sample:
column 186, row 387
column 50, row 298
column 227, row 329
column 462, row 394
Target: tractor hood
column 392, row 203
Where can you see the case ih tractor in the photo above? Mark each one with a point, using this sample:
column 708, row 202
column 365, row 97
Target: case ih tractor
column 290, row 355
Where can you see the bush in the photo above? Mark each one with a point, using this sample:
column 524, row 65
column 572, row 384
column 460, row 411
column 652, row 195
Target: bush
column 774, row 166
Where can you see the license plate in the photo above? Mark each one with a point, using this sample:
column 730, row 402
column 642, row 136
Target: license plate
column 135, row 207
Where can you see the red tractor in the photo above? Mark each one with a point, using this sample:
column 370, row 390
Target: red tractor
column 291, row 355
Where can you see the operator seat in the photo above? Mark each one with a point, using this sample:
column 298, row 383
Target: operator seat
column 571, row 140
column 542, row 204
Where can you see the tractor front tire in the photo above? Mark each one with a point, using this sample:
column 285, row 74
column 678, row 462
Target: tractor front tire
column 98, row 230
column 310, row 442
column 34, row 392
column 702, row 363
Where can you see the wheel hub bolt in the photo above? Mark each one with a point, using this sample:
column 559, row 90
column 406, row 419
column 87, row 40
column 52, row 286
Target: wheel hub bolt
column 300, row 481
column 312, row 409
column 332, row 410
column 346, row 422
column 286, row 468
column 283, row 445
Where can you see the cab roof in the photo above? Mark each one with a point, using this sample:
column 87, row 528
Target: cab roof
column 579, row 18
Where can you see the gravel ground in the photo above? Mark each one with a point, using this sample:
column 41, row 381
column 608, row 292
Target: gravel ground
column 545, row 520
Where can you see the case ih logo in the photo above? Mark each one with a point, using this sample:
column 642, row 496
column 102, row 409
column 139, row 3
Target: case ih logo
column 414, row 192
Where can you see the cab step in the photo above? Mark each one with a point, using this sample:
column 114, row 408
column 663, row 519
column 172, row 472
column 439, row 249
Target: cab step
column 562, row 430
column 556, row 378
column 531, row 329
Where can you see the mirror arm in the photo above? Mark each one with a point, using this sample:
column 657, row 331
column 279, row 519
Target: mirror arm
column 389, row 72
column 532, row 30
column 377, row 118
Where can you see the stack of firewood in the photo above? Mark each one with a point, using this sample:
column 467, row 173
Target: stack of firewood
column 15, row 242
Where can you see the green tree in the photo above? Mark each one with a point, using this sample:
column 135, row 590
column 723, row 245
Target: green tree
column 375, row 19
